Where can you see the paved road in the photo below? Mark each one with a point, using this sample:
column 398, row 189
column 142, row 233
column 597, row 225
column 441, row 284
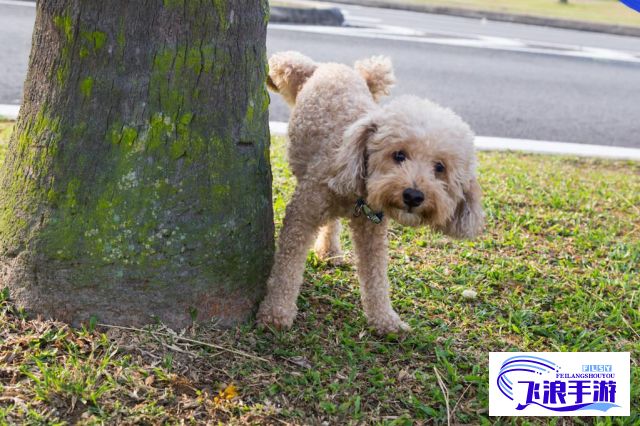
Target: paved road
column 16, row 25
column 506, row 80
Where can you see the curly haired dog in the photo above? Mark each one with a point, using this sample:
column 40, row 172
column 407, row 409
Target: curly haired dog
column 409, row 160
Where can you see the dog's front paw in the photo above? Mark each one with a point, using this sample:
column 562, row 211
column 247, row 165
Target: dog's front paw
column 388, row 323
column 275, row 316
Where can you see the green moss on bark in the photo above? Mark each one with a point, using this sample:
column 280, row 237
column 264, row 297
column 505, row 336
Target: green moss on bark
column 64, row 24
column 161, row 177
column 31, row 151
column 128, row 222
column 86, row 85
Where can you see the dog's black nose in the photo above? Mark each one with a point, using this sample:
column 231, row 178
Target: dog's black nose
column 412, row 197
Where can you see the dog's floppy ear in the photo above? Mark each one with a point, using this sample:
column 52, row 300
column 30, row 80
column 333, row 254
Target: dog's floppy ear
column 468, row 219
column 350, row 165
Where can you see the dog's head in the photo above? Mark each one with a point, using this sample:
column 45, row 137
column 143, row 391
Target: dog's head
column 415, row 162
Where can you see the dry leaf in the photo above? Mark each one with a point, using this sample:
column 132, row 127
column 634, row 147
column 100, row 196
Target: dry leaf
column 301, row 362
column 227, row 394
column 404, row 375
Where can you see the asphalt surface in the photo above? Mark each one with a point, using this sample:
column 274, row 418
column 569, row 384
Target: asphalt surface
column 536, row 92
column 16, row 26
column 452, row 24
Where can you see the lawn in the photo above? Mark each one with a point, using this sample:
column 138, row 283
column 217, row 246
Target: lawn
column 5, row 133
column 603, row 11
column 556, row 270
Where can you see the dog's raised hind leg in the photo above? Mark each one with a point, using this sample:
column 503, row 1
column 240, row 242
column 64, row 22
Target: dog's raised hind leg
column 371, row 249
column 304, row 215
column 327, row 245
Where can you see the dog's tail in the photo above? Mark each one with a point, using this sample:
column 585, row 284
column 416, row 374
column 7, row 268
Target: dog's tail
column 288, row 71
column 377, row 71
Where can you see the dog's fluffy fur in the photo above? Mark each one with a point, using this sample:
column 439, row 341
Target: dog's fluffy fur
column 343, row 146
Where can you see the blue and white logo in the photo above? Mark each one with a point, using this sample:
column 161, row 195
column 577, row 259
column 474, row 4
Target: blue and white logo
column 559, row 384
column 633, row 4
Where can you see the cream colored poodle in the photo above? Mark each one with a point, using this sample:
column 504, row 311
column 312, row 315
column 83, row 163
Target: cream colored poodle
column 409, row 160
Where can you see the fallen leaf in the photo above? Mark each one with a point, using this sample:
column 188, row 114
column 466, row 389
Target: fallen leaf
column 301, row 362
column 227, row 394
column 469, row 294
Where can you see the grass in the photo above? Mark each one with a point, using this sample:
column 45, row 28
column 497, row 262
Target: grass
column 5, row 133
column 602, row 11
column 556, row 270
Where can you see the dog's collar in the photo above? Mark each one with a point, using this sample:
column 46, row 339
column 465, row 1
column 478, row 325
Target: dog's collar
column 362, row 207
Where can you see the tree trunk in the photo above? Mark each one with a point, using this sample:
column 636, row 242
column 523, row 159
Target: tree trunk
column 137, row 184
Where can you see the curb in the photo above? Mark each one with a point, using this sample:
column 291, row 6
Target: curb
column 9, row 112
column 500, row 16
column 303, row 13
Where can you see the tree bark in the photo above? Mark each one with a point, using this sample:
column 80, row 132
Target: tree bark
column 137, row 184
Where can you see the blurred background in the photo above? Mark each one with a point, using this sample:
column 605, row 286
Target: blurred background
column 549, row 70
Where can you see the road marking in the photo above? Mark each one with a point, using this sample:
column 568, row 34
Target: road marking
column 363, row 19
column 18, row 3
column 353, row 18
column 389, row 32
column 488, row 143
column 483, row 143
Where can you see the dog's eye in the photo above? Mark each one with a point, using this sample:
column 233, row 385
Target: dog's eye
column 439, row 167
column 399, row 156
